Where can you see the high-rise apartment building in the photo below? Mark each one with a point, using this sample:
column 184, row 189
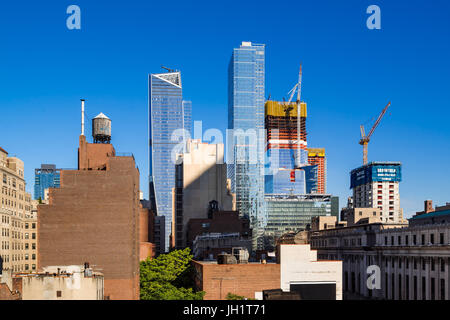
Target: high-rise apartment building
column 47, row 176
column 201, row 177
column 169, row 123
column 246, row 82
column 18, row 224
column 376, row 185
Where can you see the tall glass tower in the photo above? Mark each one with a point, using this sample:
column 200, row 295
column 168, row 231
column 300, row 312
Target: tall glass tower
column 47, row 176
column 169, row 125
column 246, row 119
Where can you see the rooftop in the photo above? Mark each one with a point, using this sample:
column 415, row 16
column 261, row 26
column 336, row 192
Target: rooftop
column 431, row 215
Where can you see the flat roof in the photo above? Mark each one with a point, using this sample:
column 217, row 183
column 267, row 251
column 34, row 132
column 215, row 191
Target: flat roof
column 431, row 215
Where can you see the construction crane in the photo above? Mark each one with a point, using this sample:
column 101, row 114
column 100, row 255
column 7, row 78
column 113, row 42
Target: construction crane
column 168, row 69
column 298, row 88
column 365, row 139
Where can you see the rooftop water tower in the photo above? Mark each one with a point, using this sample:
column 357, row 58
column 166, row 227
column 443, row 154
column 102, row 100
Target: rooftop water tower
column 101, row 129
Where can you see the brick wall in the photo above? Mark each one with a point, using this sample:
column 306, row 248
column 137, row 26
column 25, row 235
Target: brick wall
column 217, row 280
column 94, row 217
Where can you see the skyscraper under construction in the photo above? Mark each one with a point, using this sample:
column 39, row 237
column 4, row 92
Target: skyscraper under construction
column 294, row 174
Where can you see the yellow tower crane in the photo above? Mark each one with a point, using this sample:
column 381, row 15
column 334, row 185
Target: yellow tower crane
column 365, row 139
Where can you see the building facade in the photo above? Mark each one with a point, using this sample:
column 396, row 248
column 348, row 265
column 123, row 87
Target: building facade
column 18, row 223
column 316, row 157
column 246, row 84
column 293, row 213
column 103, row 228
column 47, row 176
column 376, row 185
column 56, row 283
column 410, row 262
column 201, row 178
column 297, row 270
column 169, row 122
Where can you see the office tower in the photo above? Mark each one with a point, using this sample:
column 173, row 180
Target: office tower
column 47, row 176
column 18, row 222
column 201, row 178
column 246, row 76
column 376, row 185
column 95, row 216
column 316, row 156
column 169, row 124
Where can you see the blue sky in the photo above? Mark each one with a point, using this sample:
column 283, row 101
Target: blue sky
column 349, row 74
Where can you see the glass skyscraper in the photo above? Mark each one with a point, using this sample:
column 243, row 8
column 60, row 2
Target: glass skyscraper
column 169, row 125
column 246, row 76
column 47, row 176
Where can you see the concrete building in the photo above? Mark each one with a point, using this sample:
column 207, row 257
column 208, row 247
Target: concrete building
column 376, row 185
column 159, row 235
column 201, row 178
column 209, row 245
column 218, row 222
column 413, row 261
column 18, row 225
column 297, row 270
column 95, row 216
column 54, row 283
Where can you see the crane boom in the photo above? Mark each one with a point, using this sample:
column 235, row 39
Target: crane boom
column 299, row 113
column 365, row 139
column 378, row 120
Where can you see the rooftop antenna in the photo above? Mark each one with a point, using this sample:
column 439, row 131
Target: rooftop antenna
column 82, row 117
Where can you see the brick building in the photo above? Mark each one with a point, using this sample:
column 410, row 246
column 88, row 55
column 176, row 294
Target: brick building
column 297, row 270
column 95, row 216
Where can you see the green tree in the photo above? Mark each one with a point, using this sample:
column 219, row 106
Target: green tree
column 232, row 296
column 40, row 200
column 169, row 277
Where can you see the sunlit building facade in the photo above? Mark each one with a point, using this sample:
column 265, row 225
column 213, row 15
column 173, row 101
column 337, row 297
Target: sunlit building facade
column 169, row 124
column 246, row 77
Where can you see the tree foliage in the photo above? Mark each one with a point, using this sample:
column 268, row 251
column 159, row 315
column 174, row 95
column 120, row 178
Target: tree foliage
column 169, row 277
column 232, row 296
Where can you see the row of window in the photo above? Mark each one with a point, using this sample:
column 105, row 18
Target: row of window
column 396, row 290
column 424, row 240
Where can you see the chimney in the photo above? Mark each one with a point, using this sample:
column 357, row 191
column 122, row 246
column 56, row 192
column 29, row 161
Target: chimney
column 82, row 117
column 428, row 206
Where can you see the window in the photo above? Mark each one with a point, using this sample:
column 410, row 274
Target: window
column 441, row 238
column 433, row 296
column 423, row 239
column 58, row 294
column 432, row 238
column 424, row 288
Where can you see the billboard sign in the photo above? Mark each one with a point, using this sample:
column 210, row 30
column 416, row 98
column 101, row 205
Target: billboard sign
column 375, row 172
